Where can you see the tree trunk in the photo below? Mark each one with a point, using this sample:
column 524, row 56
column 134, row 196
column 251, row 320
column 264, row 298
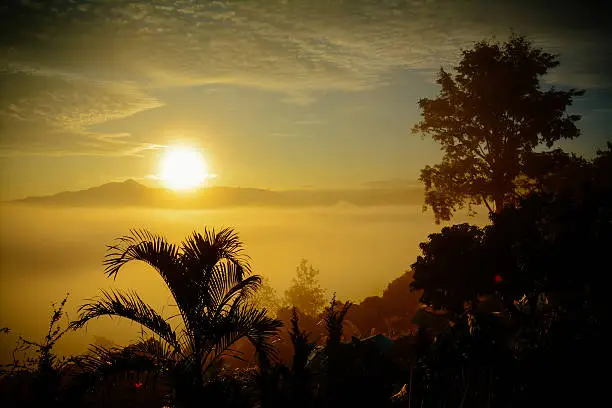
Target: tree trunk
column 498, row 199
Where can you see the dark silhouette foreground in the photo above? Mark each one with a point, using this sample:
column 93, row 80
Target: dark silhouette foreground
column 513, row 314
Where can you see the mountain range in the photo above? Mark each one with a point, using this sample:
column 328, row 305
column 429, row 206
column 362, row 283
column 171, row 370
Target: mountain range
column 130, row 193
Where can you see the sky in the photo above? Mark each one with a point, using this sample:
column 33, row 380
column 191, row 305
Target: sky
column 278, row 94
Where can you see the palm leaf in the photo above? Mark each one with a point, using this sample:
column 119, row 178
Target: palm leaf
column 142, row 245
column 200, row 253
column 230, row 247
column 156, row 251
column 215, row 263
column 250, row 322
column 109, row 364
column 129, row 306
column 159, row 350
column 227, row 287
column 105, row 361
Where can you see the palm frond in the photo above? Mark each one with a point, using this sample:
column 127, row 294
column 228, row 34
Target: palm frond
column 201, row 252
column 129, row 306
column 198, row 255
column 156, row 251
column 250, row 322
column 214, row 263
column 185, row 339
column 141, row 245
column 227, row 287
column 155, row 349
column 230, row 246
column 104, row 361
column 334, row 320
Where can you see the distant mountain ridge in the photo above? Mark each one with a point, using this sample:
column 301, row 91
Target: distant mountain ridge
column 133, row 194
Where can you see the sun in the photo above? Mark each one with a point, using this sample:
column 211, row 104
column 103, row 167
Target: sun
column 183, row 168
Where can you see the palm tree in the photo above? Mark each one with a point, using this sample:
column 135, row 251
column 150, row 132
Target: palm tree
column 210, row 279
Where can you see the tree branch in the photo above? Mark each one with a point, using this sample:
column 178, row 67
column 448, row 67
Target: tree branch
column 486, row 203
column 474, row 147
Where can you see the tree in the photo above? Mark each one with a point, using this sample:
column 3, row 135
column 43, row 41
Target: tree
column 543, row 261
column 390, row 313
column 305, row 292
column 547, row 248
column 209, row 278
column 266, row 298
column 452, row 271
column 489, row 117
column 302, row 345
column 335, row 355
column 555, row 242
column 334, row 321
column 303, row 348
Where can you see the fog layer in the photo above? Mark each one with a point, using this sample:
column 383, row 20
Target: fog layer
column 46, row 252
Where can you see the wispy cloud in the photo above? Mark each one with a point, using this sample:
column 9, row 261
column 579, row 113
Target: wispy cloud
column 310, row 121
column 66, row 65
column 70, row 103
column 283, row 135
column 49, row 113
column 287, row 45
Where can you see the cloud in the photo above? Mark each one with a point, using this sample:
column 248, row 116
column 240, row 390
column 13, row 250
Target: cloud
column 304, row 45
column 69, row 102
column 283, row 135
column 42, row 108
column 393, row 183
column 69, row 65
column 310, row 121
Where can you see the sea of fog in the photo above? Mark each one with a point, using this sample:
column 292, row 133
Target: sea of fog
column 47, row 252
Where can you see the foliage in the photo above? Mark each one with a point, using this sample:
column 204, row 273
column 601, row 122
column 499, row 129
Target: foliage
column 390, row 313
column 292, row 385
column 267, row 298
column 305, row 291
column 531, row 250
column 39, row 375
column 333, row 318
column 45, row 360
column 489, row 117
column 451, row 270
column 302, row 346
column 209, row 278
column 550, row 171
column 536, row 336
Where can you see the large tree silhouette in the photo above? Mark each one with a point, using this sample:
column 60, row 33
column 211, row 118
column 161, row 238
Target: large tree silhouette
column 535, row 283
column 489, row 117
column 209, row 278
column 550, row 245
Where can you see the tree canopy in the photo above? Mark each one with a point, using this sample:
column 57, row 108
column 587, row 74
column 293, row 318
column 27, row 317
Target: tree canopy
column 305, row 292
column 549, row 246
column 489, row 117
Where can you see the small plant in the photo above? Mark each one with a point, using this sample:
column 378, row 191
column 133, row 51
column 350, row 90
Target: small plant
column 45, row 360
column 35, row 379
column 303, row 348
column 334, row 319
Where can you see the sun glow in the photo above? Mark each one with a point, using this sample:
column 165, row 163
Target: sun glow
column 183, row 168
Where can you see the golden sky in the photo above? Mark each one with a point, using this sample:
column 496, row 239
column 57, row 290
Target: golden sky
column 276, row 94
